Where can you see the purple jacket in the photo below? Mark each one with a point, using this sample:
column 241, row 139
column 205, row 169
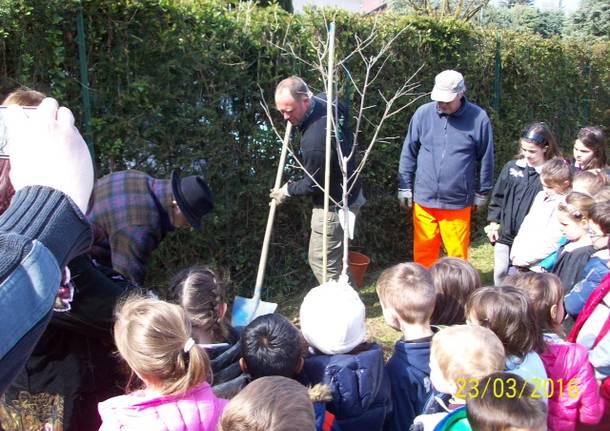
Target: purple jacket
column 196, row 410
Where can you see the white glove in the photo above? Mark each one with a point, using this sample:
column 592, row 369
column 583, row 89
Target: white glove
column 46, row 149
column 280, row 194
column 493, row 231
column 405, row 198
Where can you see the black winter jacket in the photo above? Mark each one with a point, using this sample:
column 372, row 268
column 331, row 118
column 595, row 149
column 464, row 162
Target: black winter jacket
column 313, row 144
column 512, row 198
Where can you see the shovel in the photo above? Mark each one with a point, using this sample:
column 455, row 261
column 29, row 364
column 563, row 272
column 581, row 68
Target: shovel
column 245, row 310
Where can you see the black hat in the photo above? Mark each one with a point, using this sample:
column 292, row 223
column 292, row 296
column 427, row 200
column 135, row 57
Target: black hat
column 193, row 196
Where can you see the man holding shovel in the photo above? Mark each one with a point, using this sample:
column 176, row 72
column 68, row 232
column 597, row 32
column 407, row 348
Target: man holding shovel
column 308, row 114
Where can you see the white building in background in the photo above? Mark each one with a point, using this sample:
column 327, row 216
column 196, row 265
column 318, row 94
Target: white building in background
column 364, row 6
column 351, row 5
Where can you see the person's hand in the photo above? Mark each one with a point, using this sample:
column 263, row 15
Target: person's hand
column 280, row 194
column 480, row 200
column 493, row 232
column 46, row 149
column 405, row 198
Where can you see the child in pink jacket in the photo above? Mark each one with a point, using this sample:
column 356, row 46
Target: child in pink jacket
column 154, row 338
column 573, row 391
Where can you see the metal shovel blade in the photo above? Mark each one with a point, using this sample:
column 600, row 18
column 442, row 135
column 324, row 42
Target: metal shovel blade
column 245, row 310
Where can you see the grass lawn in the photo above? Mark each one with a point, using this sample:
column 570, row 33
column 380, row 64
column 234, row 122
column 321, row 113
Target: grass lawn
column 481, row 256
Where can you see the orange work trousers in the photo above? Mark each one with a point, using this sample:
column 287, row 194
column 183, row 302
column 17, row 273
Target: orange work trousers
column 430, row 225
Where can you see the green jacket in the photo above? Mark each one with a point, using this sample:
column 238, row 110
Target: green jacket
column 457, row 420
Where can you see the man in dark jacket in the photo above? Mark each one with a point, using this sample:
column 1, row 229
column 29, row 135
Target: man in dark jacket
column 298, row 106
column 446, row 167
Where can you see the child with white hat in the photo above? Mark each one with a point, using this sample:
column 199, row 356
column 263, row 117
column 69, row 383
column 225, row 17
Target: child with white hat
column 332, row 320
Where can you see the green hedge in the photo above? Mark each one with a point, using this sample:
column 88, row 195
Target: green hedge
column 176, row 84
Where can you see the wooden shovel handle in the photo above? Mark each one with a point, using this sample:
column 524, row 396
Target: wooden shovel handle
column 260, row 275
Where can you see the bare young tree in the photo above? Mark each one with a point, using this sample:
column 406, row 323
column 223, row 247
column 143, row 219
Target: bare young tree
column 393, row 102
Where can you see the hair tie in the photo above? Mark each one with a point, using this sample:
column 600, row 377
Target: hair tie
column 188, row 345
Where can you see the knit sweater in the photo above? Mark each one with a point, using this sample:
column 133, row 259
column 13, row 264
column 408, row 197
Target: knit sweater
column 39, row 233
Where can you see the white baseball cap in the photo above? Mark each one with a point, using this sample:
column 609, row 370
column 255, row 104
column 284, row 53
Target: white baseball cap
column 447, row 85
column 332, row 318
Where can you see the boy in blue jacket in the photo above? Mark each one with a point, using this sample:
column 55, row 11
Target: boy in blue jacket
column 333, row 323
column 407, row 298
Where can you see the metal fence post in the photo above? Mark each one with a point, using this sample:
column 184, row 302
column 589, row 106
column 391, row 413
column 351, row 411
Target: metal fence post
column 497, row 76
column 84, row 78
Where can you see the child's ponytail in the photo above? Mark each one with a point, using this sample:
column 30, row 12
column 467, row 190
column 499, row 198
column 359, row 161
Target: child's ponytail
column 192, row 367
column 201, row 293
column 577, row 206
column 154, row 338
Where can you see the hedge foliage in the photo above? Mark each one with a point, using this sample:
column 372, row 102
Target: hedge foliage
column 178, row 84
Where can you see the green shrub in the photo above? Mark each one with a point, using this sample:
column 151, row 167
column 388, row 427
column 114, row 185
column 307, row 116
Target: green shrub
column 178, row 84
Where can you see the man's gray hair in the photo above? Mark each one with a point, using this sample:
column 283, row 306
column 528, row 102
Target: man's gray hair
column 296, row 86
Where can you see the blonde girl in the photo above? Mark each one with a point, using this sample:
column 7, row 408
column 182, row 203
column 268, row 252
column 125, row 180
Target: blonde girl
column 573, row 217
column 540, row 233
column 154, row 338
column 565, row 363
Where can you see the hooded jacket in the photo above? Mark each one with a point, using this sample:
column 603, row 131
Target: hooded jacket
column 540, row 232
column 600, row 353
column 577, row 400
column 359, row 386
column 409, row 373
column 196, row 410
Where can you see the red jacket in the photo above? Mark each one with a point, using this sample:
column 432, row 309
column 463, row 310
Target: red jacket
column 575, row 395
column 596, row 297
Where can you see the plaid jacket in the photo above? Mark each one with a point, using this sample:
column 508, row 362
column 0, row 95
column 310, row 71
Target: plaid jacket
column 130, row 217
